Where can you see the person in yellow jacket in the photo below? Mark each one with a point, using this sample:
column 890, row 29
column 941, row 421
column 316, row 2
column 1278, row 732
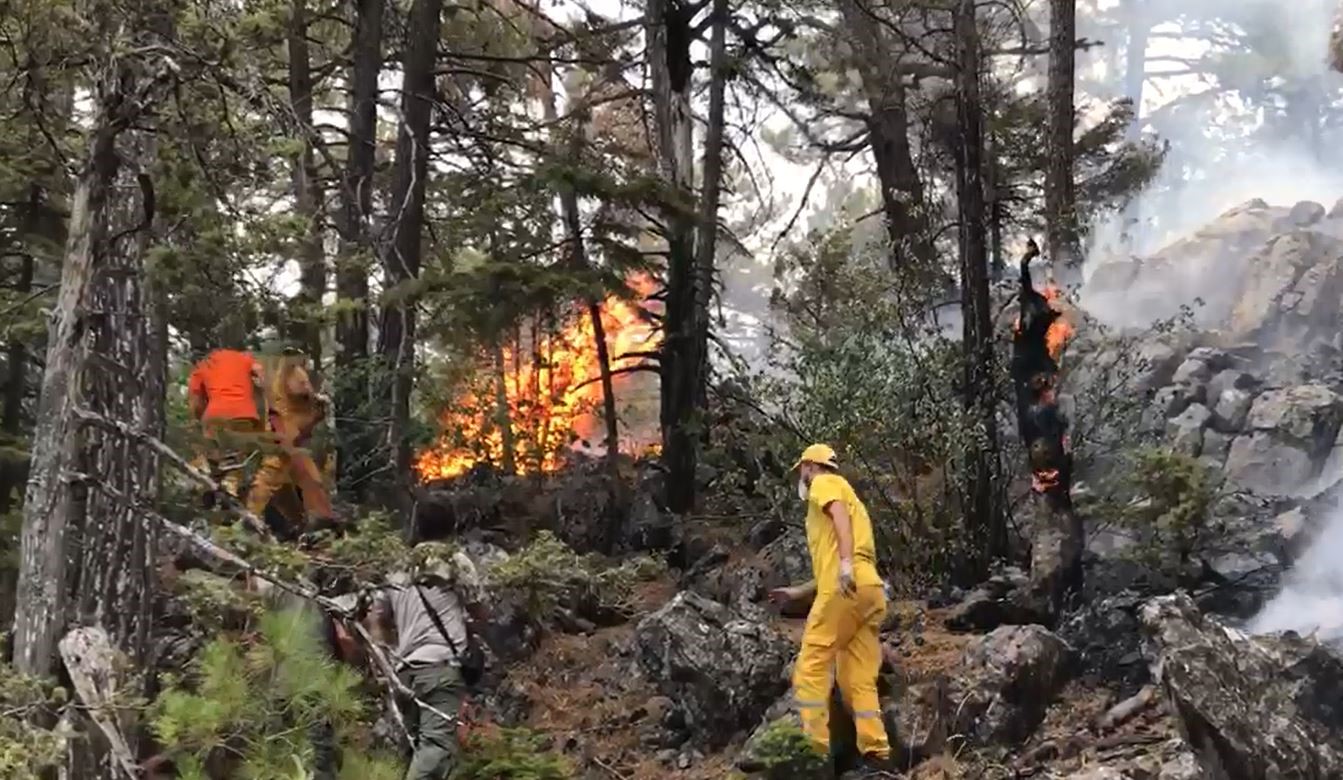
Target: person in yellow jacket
column 841, row 642
column 295, row 410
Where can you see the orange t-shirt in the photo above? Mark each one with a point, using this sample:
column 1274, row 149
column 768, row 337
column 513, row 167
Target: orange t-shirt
column 224, row 377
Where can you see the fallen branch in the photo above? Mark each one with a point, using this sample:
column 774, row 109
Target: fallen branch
column 89, row 660
column 383, row 664
column 1127, row 708
column 253, row 522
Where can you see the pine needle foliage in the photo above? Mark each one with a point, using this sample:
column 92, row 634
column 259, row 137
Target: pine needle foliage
column 255, row 700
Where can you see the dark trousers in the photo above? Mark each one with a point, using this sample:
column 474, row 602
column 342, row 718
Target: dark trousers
column 436, row 748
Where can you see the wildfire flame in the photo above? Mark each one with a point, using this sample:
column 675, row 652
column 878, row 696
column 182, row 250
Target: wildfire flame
column 554, row 395
column 1060, row 330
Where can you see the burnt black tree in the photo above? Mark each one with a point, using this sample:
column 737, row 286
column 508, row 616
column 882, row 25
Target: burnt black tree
column 1056, row 547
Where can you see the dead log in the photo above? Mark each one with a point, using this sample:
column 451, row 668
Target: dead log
column 90, row 660
column 1127, row 708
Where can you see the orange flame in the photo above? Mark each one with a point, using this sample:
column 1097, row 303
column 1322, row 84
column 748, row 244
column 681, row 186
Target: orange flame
column 554, row 395
column 1060, row 330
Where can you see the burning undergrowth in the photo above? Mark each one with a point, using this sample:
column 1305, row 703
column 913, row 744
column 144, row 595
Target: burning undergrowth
column 539, row 396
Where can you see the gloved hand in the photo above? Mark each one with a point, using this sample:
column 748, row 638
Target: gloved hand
column 846, row 583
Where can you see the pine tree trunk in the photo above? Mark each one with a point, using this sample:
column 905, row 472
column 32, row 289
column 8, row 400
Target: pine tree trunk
column 1063, row 247
column 888, row 129
column 669, row 35
column 984, row 515
column 402, row 240
column 126, row 381
column 306, row 314
column 87, row 558
column 351, row 379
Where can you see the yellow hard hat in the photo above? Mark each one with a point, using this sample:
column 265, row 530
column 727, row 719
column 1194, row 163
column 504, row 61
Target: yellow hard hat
column 822, row 454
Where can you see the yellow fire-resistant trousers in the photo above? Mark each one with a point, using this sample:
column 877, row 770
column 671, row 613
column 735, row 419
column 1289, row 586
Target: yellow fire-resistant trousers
column 841, row 639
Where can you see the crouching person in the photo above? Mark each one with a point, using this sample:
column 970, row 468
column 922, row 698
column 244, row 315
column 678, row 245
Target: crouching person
column 430, row 609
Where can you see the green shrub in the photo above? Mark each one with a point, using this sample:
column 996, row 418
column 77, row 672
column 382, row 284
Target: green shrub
column 25, row 749
column 512, row 754
column 1170, row 506
column 785, row 752
column 253, row 702
column 550, row 576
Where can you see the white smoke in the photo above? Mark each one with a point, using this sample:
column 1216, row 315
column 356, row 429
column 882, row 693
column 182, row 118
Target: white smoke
column 1311, row 601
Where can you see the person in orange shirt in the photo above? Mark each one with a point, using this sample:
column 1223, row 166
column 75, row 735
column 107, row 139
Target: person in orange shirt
column 295, row 410
column 221, row 395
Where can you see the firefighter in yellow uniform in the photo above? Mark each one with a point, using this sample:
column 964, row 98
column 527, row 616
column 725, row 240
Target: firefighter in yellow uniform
column 841, row 642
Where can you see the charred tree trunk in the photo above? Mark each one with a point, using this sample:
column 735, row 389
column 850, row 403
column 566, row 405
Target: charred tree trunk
column 306, row 308
column 352, row 389
column 85, row 558
column 502, row 414
column 1057, row 533
column 984, row 515
column 1060, row 195
column 402, row 240
column 888, row 134
column 578, row 258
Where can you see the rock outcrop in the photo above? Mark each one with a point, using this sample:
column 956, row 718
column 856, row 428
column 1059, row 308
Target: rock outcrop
column 722, row 671
column 1005, row 683
column 1251, row 707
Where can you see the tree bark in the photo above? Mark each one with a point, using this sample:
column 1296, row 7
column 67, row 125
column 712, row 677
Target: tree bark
column 352, row 266
column 126, row 381
column 1060, row 195
column 306, row 308
column 91, row 556
column 984, row 515
column 690, row 256
column 887, row 123
column 401, row 248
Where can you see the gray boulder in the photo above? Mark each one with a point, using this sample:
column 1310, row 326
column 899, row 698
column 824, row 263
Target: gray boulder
column 1185, row 432
column 1305, row 213
column 1228, row 379
column 722, row 670
column 1192, row 372
column 1250, row 707
column 1172, row 400
column 1289, row 298
column 1231, row 410
column 1310, row 414
column 1006, row 682
column 1216, row 445
column 1262, row 463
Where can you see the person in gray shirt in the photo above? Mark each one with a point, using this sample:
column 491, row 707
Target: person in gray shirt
column 429, row 664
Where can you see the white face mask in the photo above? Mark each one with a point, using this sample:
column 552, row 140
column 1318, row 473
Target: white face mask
column 802, row 489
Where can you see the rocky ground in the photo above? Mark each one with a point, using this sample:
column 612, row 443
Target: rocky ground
column 1148, row 678
column 1139, row 682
